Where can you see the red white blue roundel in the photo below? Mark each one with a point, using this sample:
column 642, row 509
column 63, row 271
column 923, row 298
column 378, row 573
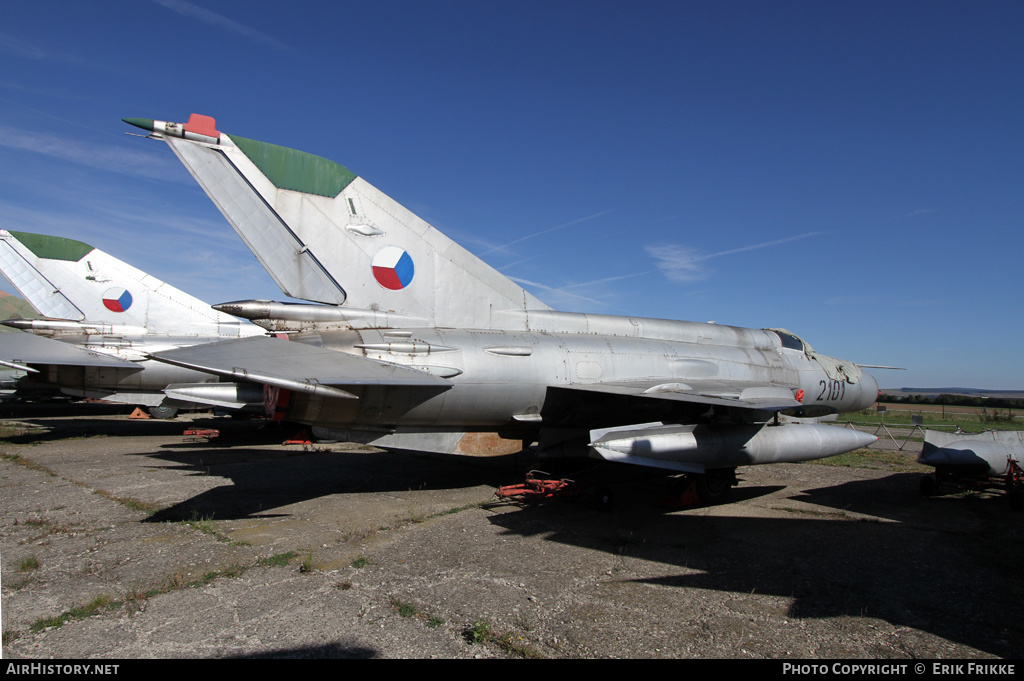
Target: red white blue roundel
column 393, row 268
column 117, row 299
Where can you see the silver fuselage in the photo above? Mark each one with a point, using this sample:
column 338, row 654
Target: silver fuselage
column 505, row 378
column 144, row 383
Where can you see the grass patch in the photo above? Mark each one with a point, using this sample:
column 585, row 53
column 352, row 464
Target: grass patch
column 232, row 571
column 179, row 581
column 417, row 518
column 404, row 609
column 20, row 433
column 31, row 465
column 129, row 502
column 135, row 597
column 48, row 527
column 457, row 509
column 204, row 524
column 878, row 459
column 901, row 417
column 93, row 607
column 278, row 560
column 481, row 632
column 360, row 562
column 29, row 564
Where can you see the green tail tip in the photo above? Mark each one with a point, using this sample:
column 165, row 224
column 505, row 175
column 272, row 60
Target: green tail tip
column 144, row 123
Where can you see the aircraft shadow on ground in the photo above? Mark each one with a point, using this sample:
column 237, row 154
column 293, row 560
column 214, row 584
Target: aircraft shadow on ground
column 329, row 651
column 264, row 479
column 29, row 410
column 906, row 570
column 88, row 427
column 78, row 419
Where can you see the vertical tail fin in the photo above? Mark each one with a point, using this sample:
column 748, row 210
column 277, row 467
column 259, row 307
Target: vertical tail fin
column 70, row 280
column 326, row 235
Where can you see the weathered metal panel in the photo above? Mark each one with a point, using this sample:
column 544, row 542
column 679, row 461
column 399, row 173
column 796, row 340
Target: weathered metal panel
column 16, row 264
column 296, row 170
column 288, row 260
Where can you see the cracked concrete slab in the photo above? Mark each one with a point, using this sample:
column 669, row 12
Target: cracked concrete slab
column 121, row 539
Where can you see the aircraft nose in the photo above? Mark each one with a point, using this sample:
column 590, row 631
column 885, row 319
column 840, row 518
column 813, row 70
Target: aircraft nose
column 868, row 392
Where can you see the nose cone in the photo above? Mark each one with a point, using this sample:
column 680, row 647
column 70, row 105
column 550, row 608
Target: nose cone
column 144, row 123
column 868, row 391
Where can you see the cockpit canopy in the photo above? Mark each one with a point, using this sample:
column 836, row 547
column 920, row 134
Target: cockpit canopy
column 789, row 340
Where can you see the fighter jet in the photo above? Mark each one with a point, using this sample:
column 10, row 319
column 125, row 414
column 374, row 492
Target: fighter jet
column 975, row 456
column 11, row 373
column 108, row 316
column 410, row 341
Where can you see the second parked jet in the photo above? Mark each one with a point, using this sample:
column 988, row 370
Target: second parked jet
column 110, row 316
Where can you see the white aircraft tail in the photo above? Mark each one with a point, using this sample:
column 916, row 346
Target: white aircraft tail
column 64, row 279
column 326, row 235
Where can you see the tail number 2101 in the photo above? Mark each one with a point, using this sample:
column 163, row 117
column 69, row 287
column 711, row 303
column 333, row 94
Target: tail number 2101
column 831, row 390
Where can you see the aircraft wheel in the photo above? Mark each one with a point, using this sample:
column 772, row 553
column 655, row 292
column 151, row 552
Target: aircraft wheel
column 162, row 412
column 604, row 499
column 715, row 486
column 928, row 485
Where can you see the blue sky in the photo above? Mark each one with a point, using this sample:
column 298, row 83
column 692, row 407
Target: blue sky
column 853, row 172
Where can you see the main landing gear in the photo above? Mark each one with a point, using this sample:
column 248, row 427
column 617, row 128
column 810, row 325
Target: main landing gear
column 1012, row 483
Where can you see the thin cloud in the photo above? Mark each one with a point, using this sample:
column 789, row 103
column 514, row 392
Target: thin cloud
column 766, row 244
column 517, row 262
column 25, row 49
column 681, row 263
column 187, row 9
column 606, row 280
column 552, row 289
column 678, row 263
column 104, row 157
column 545, row 231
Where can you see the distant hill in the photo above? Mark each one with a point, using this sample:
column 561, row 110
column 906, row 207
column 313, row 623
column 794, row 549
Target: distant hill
column 13, row 306
column 970, row 392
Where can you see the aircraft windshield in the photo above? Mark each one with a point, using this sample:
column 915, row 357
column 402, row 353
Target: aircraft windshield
column 790, row 341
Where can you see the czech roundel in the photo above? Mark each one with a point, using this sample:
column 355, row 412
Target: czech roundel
column 393, row 268
column 117, row 299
